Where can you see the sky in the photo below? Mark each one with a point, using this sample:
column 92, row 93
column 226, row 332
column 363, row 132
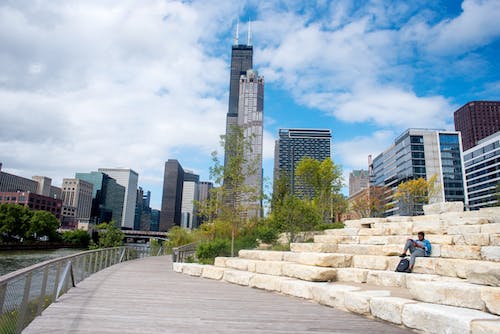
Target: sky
column 100, row 84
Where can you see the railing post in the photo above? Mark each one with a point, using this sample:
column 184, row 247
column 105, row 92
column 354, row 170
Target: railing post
column 42, row 291
column 56, row 280
column 123, row 254
column 95, row 261
column 63, row 280
column 3, row 288
column 24, row 305
column 83, row 267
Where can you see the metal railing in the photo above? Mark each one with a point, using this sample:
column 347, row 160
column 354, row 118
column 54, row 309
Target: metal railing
column 184, row 253
column 25, row 293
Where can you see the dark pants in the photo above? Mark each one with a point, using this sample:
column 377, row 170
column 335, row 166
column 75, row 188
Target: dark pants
column 414, row 251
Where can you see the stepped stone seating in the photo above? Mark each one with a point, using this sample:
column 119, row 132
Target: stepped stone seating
column 456, row 290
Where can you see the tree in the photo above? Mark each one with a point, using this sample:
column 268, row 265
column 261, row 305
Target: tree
column 43, row 224
column 370, row 203
column 412, row 194
column 14, row 221
column 77, row 237
column 109, row 235
column 235, row 197
column 324, row 179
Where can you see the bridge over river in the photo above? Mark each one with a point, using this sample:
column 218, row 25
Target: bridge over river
column 146, row 296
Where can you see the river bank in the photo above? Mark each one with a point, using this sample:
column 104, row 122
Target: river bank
column 10, row 246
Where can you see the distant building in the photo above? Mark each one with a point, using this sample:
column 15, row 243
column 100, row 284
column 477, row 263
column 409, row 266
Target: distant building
column 155, row 220
column 128, row 179
column 482, row 171
column 205, row 189
column 295, row 144
column 358, row 180
column 40, row 185
column 421, row 153
column 477, row 120
column 107, row 197
column 171, row 204
column 190, row 194
column 33, row 201
column 77, row 201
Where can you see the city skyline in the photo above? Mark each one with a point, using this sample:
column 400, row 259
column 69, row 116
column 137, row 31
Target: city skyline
column 131, row 85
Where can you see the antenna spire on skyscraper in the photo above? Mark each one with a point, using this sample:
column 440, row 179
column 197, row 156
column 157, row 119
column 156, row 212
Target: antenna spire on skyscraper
column 237, row 35
column 249, row 39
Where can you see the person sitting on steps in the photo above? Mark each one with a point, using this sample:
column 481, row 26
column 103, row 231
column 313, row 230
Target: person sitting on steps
column 420, row 247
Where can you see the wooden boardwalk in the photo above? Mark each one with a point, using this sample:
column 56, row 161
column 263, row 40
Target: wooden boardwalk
column 146, row 296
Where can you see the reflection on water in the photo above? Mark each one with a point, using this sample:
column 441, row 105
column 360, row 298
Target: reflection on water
column 15, row 260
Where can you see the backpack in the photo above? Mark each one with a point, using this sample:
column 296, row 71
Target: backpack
column 403, row 265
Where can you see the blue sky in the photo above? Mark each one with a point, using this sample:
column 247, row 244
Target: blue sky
column 90, row 84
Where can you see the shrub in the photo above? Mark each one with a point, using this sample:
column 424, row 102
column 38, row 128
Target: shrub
column 76, row 237
column 206, row 252
column 329, row 226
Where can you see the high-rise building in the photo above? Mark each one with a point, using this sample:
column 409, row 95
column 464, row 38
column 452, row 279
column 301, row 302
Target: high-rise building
column 421, row 153
column 482, row 171
column 204, row 193
column 292, row 146
column 190, row 194
column 477, row 120
column 171, row 201
column 250, row 120
column 128, row 179
column 358, row 180
column 107, row 197
column 155, row 220
column 77, row 201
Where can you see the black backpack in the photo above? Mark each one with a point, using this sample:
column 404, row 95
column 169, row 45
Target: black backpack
column 403, row 265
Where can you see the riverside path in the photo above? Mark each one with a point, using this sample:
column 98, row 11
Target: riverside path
column 146, row 296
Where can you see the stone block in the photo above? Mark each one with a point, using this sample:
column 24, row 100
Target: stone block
column 313, row 247
column 425, row 265
column 269, row 267
column 373, row 240
column 358, row 249
column 491, row 228
column 297, row 288
column 331, row 294
column 192, row 269
column 309, row 273
column 177, row 267
column 369, row 262
column 432, row 318
column 267, row 282
column 371, row 231
column 448, row 293
column 464, row 229
column 485, row 327
column 441, row 239
column 237, row 263
column 237, row 277
column 411, row 279
column 386, row 278
column 220, row 261
column 428, row 227
column 354, row 275
column 319, row 259
column 389, row 308
column 352, row 231
column 391, row 250
column 479, row 272
column 495, row 239
column 326, row 239
column 212, row 272
column 359, row 301
column 442, row 207
column 399, row 239
column 477, row 239
column 261, row 255
column 491, row 299
column 461, row 252
column 490, row 253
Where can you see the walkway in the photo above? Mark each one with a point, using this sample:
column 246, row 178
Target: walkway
column 146, row 296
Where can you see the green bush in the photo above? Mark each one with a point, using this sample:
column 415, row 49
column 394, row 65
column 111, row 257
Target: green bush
column 267, row 234
column 206, row 252
column 329, row 226
column 76, row 237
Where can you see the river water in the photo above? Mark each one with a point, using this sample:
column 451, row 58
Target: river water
column 14, row 260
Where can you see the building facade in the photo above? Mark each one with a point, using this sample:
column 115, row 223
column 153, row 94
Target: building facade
column 128, row 179
column 40, row 185
column 33, row 201
column 77, row 201
column 171, row 201
column 477, row 120
column 295, row 144
column 250, row 120
column 358, row 180
column 107, row 197
column 482, row 172
column 421, row 153
column 190, row 194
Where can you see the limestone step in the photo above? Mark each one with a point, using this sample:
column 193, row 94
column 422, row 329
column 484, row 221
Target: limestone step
column 315, row 247
column 279, row 268
column 334, row 260
column 384, row 304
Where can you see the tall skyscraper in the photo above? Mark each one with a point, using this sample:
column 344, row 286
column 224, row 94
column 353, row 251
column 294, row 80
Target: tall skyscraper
column 358, row 180
column 190, row 193
column 128, row 179
column 421, row 153
column 77, row 200
column 171, row 201
column 295, row 144
column 477, row 120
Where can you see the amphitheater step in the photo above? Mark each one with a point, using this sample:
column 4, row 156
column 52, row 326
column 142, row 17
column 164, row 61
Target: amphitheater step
column 334, row 260
column 313, row 247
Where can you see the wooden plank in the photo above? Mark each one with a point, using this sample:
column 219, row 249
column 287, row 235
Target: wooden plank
column 146, row 296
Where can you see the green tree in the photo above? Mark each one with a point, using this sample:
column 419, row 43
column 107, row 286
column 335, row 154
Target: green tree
column 109, row 236
column 325, row 180
column 370, row 203
column 43, row 224
column 412, row 194
column 14, row 221
column 76, row 237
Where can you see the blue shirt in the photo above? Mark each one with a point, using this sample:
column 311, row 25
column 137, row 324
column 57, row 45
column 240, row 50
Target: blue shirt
column 427, row 247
